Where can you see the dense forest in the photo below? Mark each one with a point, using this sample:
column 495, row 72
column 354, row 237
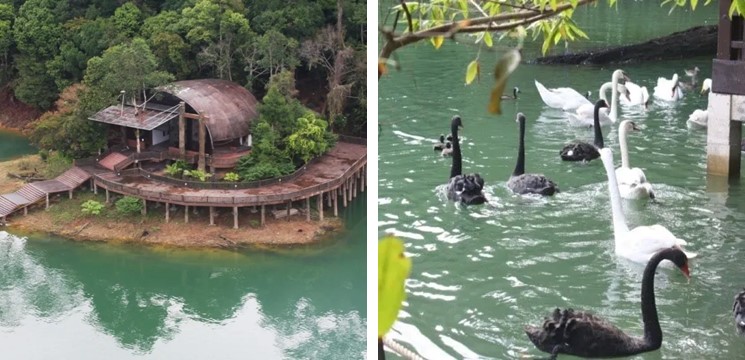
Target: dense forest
column 71, row 57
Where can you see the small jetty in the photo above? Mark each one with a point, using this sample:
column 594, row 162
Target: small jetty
column 33, row 193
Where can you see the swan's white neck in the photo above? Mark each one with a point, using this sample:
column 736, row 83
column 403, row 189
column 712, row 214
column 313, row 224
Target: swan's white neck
column 614, row 98
column 619, row 220
column 604, row 89
column 624, row 147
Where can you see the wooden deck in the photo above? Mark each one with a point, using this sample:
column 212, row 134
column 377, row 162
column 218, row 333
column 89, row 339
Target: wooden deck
column 34, row 192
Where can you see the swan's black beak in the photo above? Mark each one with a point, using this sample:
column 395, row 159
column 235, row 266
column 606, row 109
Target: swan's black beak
column 626, row 78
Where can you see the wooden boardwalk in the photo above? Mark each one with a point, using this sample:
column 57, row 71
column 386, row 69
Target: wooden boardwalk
column 32, row 193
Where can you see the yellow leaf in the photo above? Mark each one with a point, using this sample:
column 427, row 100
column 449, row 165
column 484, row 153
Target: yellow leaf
column 437, row 41
column 502, row 71
column 393, row 269
column 472, row 71
column 487, row 39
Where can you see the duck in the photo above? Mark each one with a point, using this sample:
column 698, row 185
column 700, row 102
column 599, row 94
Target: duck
column 466, row 189
column 515, row 91
column 584, row 334
column 640, row 243
column 561, row 98
column 441, row 145
column 668, row 90
column 632, row 182
column 583, row 116
column 738, row 310
column 522, row 183
column 700, row 118
column 583, row 151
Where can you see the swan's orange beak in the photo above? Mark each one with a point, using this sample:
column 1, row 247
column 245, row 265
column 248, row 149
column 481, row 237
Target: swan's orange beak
column 686, row 272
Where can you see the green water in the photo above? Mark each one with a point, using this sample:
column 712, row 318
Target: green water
column 481, row 273
column 66, row 300
column 13, row 145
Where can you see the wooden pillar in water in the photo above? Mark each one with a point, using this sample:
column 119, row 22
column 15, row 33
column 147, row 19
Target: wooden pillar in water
column 186, row 214
column 354, row 187
column 335, row 195
column 168, row 212
column 320, row 206
column 262, row 215
column 307, row 209
column 212, row 215
column 344, row 194
column 182, row 130
column 235, row 217
column 202, row 139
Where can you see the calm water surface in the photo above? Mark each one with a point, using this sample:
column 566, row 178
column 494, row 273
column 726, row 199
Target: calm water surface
column 66, row 300
column 481, row 273
column 13, row 145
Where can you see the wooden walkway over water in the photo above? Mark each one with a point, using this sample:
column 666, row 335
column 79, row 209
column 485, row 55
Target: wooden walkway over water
column 334, row 178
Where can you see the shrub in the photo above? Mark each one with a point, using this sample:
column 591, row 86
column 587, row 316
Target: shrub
column 56, row 165
column 197, row 174
column 176, row 168
column 92, row 207
column 232, row 177
column 266, row 170
column 129, row 205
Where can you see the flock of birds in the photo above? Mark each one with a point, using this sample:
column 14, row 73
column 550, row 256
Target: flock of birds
column 575, row 332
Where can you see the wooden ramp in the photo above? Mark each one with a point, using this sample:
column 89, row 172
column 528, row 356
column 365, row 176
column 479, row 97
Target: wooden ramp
column 34, row 192
column 112, row 160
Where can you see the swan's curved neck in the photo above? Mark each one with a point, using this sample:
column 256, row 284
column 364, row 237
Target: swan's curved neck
column 624, row 147
column 520, row 166
column 614, row 99
column 598, row 132
column 604, row 89
column 652, row 330
column 457, row 166
column 619, row 220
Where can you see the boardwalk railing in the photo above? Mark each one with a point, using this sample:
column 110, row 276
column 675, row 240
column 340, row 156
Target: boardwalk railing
column 229, row 200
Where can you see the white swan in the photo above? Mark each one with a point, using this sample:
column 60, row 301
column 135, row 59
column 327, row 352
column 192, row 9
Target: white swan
column 561, row 98
column 638, row 95
column 668, row 90
column 700, row 118
column 640, row 243
column 584, row 115
column 632, row 182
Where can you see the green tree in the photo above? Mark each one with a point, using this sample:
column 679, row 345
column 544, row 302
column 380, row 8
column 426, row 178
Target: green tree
column 6, row 33
column 280, row 111
column 164, row 36
column 277, row 52
column 127, row 19
column 309, row 140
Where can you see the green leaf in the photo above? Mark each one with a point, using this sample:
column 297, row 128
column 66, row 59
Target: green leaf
column 393, row 269
column 693, row 4
column 472, row 71
column 488, row 39
column 502, row 71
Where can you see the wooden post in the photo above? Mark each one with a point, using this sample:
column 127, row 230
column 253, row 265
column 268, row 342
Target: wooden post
column 168, row 212
column 137, row 135
column 202, row 136
column 212, row 215
column 47, row 201
column 235, row 217
column 124, row 135
column 262, row 215
column 362, row 179
column 144, row 207
column 95, row 187
column 69, row 193
column 107, row 195
column 289, row 207
column 182, row 130
column 349, row 189
column 186, row 214
column 307, row 209
column 354, row 187
column 320, row 206
column 335, row 194
column 25, row 210
column 328, row 199
column 344, row 193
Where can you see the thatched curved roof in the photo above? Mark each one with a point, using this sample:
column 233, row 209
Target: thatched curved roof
column 230, row 108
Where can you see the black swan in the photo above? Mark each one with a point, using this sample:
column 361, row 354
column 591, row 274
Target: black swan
column 582, row 334
column 515, row 91
column 738, row 309
column 522, row 183
column 466, row 189
column 582, row 151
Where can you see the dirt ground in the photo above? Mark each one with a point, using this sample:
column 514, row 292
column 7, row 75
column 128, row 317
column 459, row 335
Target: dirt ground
column 22, row 166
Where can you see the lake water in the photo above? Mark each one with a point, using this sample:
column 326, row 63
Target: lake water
column 481, row 273
column 13, row 145
column 67, row 300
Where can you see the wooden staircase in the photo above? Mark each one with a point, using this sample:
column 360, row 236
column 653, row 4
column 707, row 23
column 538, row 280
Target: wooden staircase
column 111, row 160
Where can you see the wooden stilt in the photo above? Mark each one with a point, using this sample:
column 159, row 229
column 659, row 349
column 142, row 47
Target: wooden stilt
column 344, row 194
column 307, row 209
column 212, row 215
column 349, row 189
column 262, row 215
column 328, row 199
column 144, row 207
column 354, row 187
column 186, row 214
column 47, row 201
column 235, row 217
column 168, row 212
column 335, row 194
column 182, row 131
column 289, row 206
column 320, row 207
column 95, row 188
column 137, row 135
column 25, row 210
column 107, row 195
